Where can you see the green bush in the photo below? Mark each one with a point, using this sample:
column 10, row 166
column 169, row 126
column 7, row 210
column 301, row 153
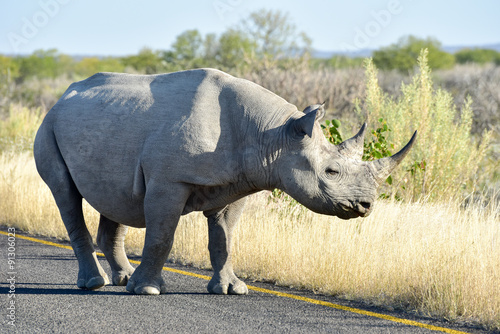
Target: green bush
column 9, row 69
column 331, row 131
column 337, row 62
column 146, row 61
column 479, row 56
column 44, row 64
column 89, row 66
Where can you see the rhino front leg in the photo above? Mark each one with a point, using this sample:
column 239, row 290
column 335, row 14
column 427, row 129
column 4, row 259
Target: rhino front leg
column 111, row 240
column 220, row 231
column 163, row 209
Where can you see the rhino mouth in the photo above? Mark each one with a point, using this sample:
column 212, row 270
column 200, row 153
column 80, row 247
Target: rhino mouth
column 355, row 209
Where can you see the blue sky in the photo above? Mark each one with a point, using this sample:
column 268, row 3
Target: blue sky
column 111, row 27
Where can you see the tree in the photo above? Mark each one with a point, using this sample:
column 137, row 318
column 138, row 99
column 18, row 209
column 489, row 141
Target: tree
column 274, row 34
column 210, row 47
column 147, row 61
column 265, row 37
column 234, row 47
column 403, row 54
column 188, row 45
column 191, row 50
column 44, row 64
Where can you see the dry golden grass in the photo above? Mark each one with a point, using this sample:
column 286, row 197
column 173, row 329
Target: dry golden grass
column 436, row 259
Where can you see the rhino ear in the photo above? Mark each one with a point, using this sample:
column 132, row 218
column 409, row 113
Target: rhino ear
column 319, row 107
column 304, row 125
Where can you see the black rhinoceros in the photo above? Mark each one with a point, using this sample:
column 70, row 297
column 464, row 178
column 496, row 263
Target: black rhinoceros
column 145, row 149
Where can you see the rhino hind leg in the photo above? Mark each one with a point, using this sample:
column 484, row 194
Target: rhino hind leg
column 54, row 172
column 69, row 201
column 91, row 276
column 111, row 240
column 220, row 228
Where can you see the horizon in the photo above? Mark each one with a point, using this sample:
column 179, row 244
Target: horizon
column 320, row 54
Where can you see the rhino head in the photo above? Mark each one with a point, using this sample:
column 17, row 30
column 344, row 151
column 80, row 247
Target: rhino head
column 331, row 179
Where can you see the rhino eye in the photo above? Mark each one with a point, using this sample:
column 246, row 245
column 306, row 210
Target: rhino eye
column 332, row 172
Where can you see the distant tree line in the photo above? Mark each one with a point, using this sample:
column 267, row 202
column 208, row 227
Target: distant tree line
column 264, row 39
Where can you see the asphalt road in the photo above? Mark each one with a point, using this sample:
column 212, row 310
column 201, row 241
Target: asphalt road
column 48, row 301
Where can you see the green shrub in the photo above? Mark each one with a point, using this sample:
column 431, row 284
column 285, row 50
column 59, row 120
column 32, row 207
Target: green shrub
column 91, row 65
column 378, row 147
column 479, row 56
column 331, row 131
column 9, row 69
column 337, row 62
column 44, row 64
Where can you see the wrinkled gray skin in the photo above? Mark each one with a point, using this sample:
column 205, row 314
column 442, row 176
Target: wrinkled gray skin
column 144, row 150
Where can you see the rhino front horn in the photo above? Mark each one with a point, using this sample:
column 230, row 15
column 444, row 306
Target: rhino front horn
column 383, row 167
column 353, row 147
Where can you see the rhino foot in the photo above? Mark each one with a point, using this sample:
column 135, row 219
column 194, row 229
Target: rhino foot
column 236, row 287
column 146, row 288
column 121, row 278
column 93, row 283
column 91, row 276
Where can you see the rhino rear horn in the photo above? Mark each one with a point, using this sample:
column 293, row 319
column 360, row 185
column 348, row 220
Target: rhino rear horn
column 353, row 147
column 383, row 167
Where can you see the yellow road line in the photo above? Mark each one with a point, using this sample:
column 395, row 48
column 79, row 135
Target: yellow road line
column 358, row 311
column 279, row 294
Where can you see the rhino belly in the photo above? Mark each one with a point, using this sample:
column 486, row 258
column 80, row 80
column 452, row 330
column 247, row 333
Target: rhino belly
column 112, row 195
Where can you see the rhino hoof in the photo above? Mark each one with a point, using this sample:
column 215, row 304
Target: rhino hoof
column 149, row 290
column 217, row 289
column 120, row 280
column 239, row 288
column 146, row 290
column 93, row 283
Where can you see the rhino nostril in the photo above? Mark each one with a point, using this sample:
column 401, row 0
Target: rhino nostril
column 366, row 205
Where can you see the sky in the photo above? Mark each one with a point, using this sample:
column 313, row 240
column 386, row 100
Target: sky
column 117, row 28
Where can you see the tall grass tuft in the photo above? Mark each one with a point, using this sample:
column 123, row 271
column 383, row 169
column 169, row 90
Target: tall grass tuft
column 443, row 163
column 18, row 128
